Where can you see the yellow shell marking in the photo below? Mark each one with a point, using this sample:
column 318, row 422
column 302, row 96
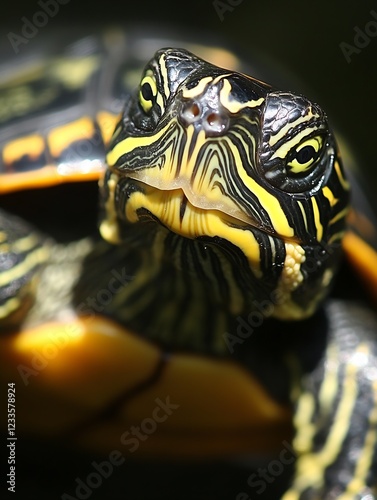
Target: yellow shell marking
column 31, row 145
column 74, row 72
column 107, row 122
column 62, row 137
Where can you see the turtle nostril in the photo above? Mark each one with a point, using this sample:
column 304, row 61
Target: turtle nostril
column 216, row 122
column 194, row 109
column 190, row 112
column 213, row 120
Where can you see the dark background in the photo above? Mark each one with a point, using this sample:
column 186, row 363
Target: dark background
column 299, row 37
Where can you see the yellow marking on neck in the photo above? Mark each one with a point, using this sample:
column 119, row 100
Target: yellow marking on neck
column 31, row 260
column 291, row 495
column 343, row 181
column 336, row 237
column 311, row 467
column 9, row 307
column 62, row 137
column 303, row 213
column 342, row 417
column 329, row 386
column 330, row 196
column 306, row 429
column 31, row 145
column 339, row 215
column 364, row 462
column 21, row 245
column 198, row 89
column 109, row 226
column 232, row 105
column 25, row 244
column 317, row 220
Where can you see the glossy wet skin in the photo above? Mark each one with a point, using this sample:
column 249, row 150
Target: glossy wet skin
column 218, row 155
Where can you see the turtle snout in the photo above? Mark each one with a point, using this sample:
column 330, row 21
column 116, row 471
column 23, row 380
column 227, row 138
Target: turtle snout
column 214, row 122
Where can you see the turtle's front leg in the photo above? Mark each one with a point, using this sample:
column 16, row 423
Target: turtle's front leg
column 336, row 413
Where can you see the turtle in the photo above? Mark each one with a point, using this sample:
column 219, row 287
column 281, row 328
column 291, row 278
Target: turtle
column 224, row 304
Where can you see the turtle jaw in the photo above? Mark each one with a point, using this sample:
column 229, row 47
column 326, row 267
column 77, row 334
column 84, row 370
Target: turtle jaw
column 269, row 262
column 131, row 201
column 175, row 211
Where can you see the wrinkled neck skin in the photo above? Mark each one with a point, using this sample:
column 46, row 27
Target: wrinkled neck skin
column 184, row 294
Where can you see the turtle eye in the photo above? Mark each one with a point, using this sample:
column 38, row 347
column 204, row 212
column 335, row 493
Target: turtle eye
column 305, row 155
column 148, row 91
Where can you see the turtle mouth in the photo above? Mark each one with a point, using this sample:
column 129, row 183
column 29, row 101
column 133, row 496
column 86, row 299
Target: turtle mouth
column 209, row 201
column 179, row 208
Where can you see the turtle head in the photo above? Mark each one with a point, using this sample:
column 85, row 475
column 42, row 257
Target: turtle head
column 218, row 156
